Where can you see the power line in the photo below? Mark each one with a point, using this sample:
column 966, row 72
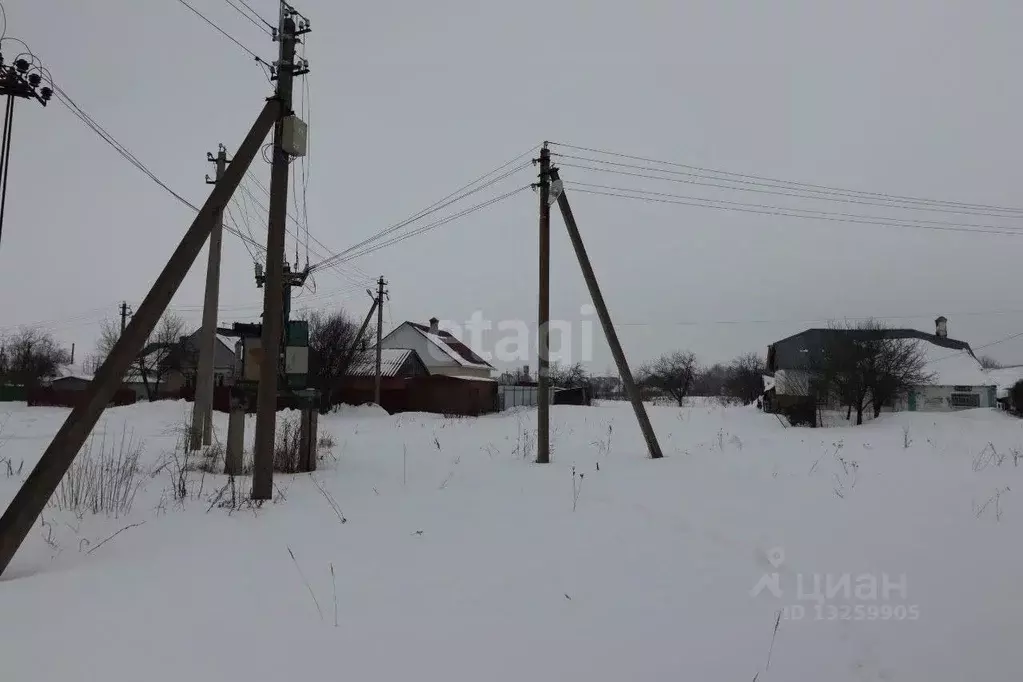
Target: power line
column 230, row 217
column 257, row 15
column 259, row 22
column 225, row 33
column 794, row 183
column 920, row 221
column 125, row 153
column 431, row 226
column 986, row 345
column 452, row 198
column 766, row 209
column 759, row 187
column 437, row 205
column 246, row 191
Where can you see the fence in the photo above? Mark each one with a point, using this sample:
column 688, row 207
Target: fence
column 51, row 397
column 435, row 393
column 13, row 393
column 520, row 396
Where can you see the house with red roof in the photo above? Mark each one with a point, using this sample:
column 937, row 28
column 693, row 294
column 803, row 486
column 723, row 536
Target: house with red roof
column 440, row 351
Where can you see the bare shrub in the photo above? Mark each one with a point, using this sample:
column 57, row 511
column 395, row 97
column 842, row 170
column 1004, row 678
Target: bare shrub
column 287, row 447
column 577, row 487
column 10, row 469
column 603, row 445
column 104, row 478
column 212, row 459
column 175, row 463
column 989, row 456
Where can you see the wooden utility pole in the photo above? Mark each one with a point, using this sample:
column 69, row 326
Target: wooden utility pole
column 543, row 404
column 605, row 320
column 380, row 336
column 125, row 314
column 202, row 408
column 273, row 295
column 40, row 485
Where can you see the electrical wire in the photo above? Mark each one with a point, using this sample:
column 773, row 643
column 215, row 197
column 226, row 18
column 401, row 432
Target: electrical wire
column 257, row 15
column 230, row 217
column 433, row 208
column 766, row 209
column 759, row 189
column 91, row 123
column 920, row 221
column 986, row 345
column 426, row 228
column 261, row 24
column 225, row 33
column 793, row 183
column 361, row 279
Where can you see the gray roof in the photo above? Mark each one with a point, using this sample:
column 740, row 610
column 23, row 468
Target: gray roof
column 794, row 352
column 391, row 362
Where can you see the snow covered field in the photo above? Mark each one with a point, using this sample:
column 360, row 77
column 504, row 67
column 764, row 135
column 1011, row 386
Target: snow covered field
column 459, row 559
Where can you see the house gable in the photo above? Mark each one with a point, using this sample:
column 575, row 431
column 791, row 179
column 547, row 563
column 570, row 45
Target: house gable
column 185, row 353
column 437, row 351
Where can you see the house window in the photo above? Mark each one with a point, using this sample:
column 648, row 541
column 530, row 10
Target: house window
column 965, row 400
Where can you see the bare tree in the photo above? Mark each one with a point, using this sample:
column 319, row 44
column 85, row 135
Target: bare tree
column 710, row 381
column 568, row 376
column 744, row 378
column 334, row 344
column 30, row 355
column 161, row 355
column 672, row 373
column 899, row 366
column 864, row 365
column 988, row 362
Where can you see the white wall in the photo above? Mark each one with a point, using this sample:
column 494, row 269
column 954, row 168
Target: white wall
column 939, row 398
column 460, row 371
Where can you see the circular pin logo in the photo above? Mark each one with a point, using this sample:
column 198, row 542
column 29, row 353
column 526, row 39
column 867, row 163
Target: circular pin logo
column 776, row 555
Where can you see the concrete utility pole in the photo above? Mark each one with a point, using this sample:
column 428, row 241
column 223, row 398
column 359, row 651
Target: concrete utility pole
column 605, row 319
column 543, row 405
column 125, row 314
column 380, row 335
column 202, row 408
column 40, row 485
column 273, row 296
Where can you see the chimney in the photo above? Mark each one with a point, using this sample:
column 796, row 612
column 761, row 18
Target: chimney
column 941, row 327
column 433, row 325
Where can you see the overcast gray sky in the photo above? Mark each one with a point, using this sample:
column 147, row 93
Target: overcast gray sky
column 410, row 100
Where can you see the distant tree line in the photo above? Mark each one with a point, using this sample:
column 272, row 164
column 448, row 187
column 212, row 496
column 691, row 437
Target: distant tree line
column 679, row 375
column 30, row 356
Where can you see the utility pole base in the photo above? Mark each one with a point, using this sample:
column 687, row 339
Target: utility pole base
column 207, row 430
column 233, row 458
column 308, row 439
